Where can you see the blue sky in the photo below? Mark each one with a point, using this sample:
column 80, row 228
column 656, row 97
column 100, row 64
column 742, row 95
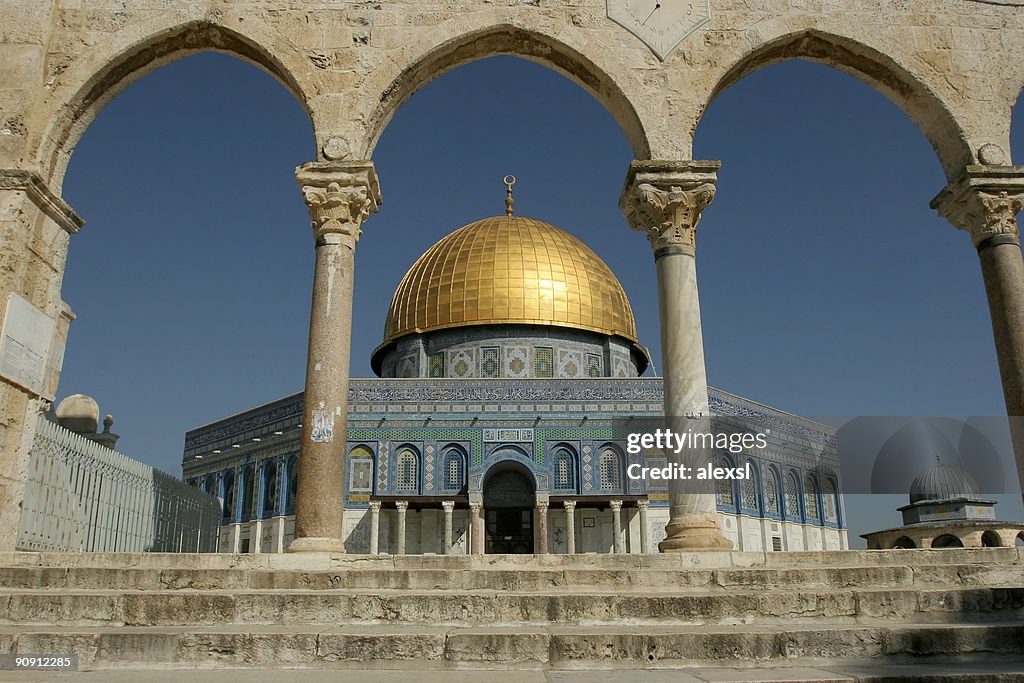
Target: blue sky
column 828, row 287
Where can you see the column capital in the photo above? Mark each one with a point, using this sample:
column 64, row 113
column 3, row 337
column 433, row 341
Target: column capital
column 569, row 504
column 339, row 195
column 448, row 505
column 475, row 507
column 542, row 505
column 665, row 199
column 984, row 202
column 643, row 504
column 402, row 505
column 375, row 505
column 615, row 504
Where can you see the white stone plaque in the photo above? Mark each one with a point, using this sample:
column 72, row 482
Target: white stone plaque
column 27, row 332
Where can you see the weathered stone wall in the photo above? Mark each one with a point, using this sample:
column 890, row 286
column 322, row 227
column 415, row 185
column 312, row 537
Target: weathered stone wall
column 952, row 65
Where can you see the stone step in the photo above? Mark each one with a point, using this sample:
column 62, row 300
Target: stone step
column 214, row 607
column 673, row 561
column 426, row 648
column 532, row 580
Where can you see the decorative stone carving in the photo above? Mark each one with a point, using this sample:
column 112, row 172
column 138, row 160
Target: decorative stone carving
column 665, row 200
column 340, row 195
column 991, row 155
column 985, row 203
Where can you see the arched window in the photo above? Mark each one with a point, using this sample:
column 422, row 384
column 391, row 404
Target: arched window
column 772, row 498
column 293, row 485
column 611, row 470
column 454, row 470
column 830, row 501
column 229, row 494
column 360, row 478
column 811, row 499
column 724, row 494
column 247, row 482
column 990, row 539
column 271, row 487
column 210, row 485
column 564, row 469
column 903, row 543
column 792, row 496
column 749, row 489
column 407, row 471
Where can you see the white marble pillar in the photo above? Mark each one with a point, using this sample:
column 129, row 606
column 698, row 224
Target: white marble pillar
column 645, row 531
column 449, row 511
column 340, row 195
column 616, row 506
column 402, row 506
column 374, row 527
column 570, row 526
column 476, row 532
column 542, row 527
column 985, row 202
column 664, row 200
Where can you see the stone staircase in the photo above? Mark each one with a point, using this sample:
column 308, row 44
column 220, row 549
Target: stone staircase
column 554, row 612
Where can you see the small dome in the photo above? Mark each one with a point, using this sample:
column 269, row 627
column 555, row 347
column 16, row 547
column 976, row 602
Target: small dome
column 943, row 482
column 79, row 413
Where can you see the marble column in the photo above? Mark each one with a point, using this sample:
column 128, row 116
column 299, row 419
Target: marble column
column 374, row 527
column 616, row 506
column 645, row 531
column 402, row 506
column 340, row 195
column 476, row 536
column 985, row 202
column 542, row 527
column 570, row 526
column 664, row 200
column 449, row 510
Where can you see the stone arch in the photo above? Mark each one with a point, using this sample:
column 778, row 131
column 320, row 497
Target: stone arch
column 442, row 54
column 884, row 73
column 130, row 61
column 904, row 543
column 947, row 541
column 991, row 539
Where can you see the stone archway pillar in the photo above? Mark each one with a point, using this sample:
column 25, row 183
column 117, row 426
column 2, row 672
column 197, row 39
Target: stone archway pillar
column 340, row 195
column 985, row 202
column 664, row 200
column 476, row 524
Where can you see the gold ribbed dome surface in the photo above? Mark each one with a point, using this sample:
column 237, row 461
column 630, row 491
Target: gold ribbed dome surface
column 509, row 270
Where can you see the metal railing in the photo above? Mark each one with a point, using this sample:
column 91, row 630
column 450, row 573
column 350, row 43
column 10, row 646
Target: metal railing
column 81, row 496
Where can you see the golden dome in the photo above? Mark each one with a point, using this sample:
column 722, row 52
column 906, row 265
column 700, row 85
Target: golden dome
column 509, row 270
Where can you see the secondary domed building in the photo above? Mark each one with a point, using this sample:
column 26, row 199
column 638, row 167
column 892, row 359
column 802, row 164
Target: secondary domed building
column 509, row 358
column 947, row 510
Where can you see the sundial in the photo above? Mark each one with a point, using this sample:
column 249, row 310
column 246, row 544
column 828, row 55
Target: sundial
column 660, row 24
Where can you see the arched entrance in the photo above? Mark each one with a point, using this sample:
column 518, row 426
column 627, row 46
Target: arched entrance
column 508, row 509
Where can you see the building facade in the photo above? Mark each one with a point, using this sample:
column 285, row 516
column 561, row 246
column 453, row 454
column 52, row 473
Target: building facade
column 509, row 368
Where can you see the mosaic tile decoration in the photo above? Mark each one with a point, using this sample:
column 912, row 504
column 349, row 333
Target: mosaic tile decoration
column 382, row 465
column 428, row 470
column 436, row 364
column 569, row 363
column 462, row 362
column 473, row 436
column 490, row 364
column 543, row 362
column 594, row 365
column 517, row 361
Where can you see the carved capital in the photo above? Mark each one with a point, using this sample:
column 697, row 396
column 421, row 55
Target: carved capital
column 643, row 504
column 448, row 505
column 401, row 506
column 375, row 506
column 339, row 195
column 665, row 200
column 985, row 203
column 542, row 506
column 570, row 505
column 616, row 505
